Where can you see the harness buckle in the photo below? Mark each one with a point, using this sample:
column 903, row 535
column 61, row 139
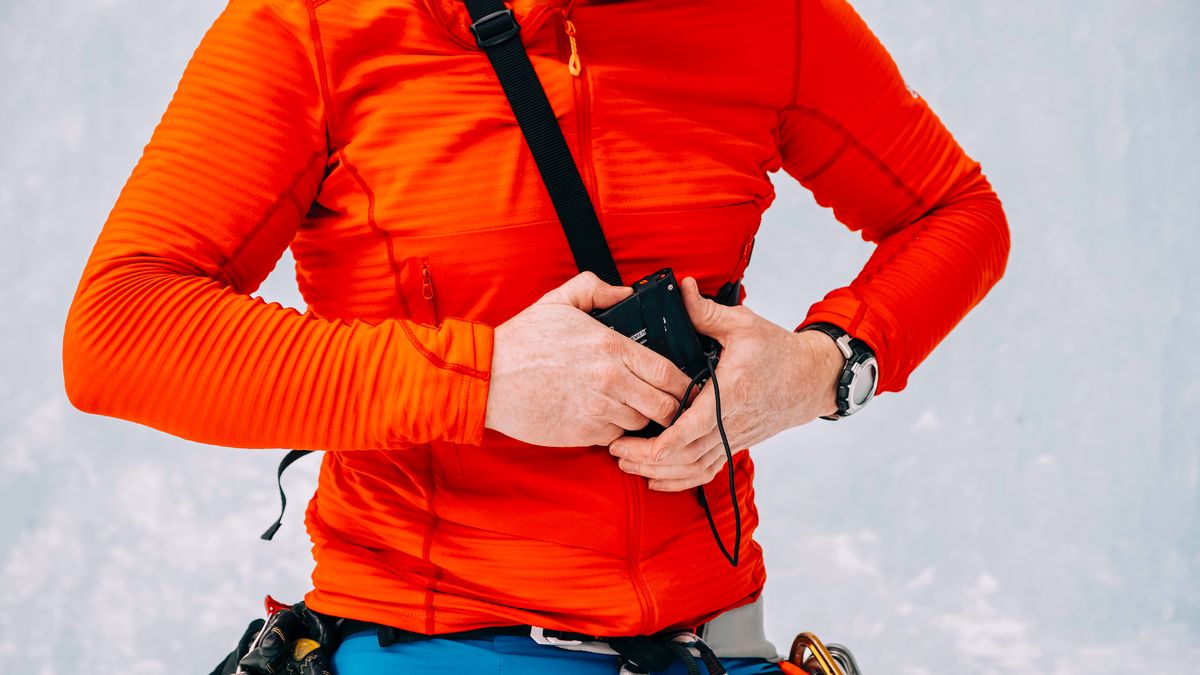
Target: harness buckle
column 495, row 28
column 539, row 636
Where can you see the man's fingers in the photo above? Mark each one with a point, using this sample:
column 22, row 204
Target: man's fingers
column 708, row 317
column 610, row 433
column 680, row 484
column 587, row 292
column 627, row 418
column 691, row 470
column 610, row 411
column 696, row 421
column 654, row 369
column 649, row 401
column 697, row 448
column 633, row 448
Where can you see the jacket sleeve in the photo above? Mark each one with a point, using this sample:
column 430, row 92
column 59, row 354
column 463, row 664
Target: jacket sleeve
column 870, row 148
column 162, row 329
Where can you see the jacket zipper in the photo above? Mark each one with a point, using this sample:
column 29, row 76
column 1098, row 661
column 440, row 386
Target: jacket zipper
column 583, row 102
column 633, row 552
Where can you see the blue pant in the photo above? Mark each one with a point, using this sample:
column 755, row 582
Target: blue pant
column 360, row 654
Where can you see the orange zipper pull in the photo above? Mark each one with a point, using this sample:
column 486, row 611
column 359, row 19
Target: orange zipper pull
column 573, row 64
column 426, row 282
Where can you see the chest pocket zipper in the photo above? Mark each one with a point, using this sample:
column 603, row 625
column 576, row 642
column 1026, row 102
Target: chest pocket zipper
column 419, row 291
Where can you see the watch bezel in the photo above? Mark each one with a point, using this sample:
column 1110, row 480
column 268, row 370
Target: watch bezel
column 863, row 362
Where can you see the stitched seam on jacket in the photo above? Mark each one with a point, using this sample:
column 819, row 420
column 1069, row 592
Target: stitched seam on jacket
column 464, row 394
column 386, row 237
column 866, row 151
column 296, row 202
column 860, row 313
column 796, row 41
column 837, row 154
column 427, row 546
column 434, row 358
column 314, row 30
column 288, row 192
column 336, row 133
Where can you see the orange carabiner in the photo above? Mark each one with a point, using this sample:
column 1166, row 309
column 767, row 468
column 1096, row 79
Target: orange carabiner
column 824, row 660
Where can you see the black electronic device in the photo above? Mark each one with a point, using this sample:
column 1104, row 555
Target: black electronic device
column 656, row 317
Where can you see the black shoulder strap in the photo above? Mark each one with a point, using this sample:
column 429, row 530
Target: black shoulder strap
column 496, row 32
column 284, row 463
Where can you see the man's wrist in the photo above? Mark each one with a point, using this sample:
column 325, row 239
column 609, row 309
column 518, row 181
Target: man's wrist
column 826, row 362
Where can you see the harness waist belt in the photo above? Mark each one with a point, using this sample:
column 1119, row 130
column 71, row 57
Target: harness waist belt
column 737, row 633
column 390, row 635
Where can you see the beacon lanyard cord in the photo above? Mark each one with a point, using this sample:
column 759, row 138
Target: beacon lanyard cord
column 711, row 372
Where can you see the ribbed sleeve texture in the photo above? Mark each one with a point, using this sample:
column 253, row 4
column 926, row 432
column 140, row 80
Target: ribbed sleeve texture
column 162, row 329
column 872, row 149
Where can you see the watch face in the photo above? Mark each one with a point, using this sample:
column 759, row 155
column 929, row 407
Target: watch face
column 863, row 386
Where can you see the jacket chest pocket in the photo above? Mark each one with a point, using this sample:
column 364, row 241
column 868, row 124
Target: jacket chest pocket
column 419, row 291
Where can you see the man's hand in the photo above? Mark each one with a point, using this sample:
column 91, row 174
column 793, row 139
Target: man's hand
column 560, row 378
column 770, row 379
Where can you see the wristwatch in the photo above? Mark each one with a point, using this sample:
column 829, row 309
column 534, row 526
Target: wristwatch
column 860, row 374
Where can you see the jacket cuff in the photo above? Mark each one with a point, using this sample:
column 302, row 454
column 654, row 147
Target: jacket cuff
column 870, row 323
column 467, row 427
column 444, row 396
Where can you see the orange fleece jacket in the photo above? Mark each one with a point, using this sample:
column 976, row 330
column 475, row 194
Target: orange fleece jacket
column 373, row 139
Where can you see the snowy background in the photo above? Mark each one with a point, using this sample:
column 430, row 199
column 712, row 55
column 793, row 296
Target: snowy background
column 1029, row 503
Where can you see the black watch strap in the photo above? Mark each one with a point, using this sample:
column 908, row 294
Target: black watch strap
column 859, row 358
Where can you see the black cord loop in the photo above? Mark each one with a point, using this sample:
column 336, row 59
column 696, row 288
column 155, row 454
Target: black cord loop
column 710, row 372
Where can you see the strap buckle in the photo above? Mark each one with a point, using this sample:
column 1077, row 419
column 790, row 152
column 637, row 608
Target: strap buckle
column 539, row 636
column 495, row 28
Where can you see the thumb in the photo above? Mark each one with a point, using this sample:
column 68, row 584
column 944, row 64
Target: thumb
column 587, row 292
column 708, row 317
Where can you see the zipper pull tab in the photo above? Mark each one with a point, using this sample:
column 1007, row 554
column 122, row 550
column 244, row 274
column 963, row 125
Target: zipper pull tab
column 573, row 65
column 426, row 282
